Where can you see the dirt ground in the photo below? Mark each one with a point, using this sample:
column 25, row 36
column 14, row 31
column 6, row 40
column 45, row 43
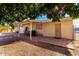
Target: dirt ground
column 31, row 48
column 10, row 45
column 76, row 46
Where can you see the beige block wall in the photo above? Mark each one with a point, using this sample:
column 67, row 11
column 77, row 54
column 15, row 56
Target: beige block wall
column 40, row 32
column 67, row 29
column 33, row 26
column 48, row 29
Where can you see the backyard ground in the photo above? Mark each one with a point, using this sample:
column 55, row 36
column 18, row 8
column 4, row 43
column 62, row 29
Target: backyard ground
column 21, row 47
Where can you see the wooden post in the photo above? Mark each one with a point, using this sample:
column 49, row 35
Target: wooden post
column 19, row 28
column 31, row 31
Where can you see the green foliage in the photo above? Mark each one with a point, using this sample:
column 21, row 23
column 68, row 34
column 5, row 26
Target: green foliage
column 17, row 12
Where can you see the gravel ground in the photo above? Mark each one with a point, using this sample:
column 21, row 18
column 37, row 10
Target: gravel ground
column 10, row 45
column 76, row 45
column 30, row 48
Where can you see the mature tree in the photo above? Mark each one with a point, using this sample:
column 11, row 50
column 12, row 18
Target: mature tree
column 17, row 12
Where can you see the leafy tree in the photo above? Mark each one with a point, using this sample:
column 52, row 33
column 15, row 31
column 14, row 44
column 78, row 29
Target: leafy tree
column 17, row 12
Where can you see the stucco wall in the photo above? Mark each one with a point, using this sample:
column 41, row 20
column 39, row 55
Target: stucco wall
column 33, row 26
column 67, row 29
column 48, row 29
column 16, row 29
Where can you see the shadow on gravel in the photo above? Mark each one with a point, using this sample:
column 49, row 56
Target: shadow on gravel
column 51, row 47
column 6, row 41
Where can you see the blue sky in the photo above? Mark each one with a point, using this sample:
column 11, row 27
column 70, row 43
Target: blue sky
column 42, row 18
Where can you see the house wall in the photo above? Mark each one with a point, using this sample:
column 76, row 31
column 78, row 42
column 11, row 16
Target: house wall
column 67, row 29
column 58, row 29
column 39, row 28
column 48, row 29
column 16, row 29
column 33, row 26
column 21, row 29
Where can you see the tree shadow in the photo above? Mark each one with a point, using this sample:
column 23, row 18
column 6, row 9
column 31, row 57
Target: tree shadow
column 8, row 41
column 51, row 47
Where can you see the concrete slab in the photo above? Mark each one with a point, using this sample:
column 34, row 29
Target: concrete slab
column 60, row 42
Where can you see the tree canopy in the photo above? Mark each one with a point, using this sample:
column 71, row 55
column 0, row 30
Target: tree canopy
column 10, row 12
